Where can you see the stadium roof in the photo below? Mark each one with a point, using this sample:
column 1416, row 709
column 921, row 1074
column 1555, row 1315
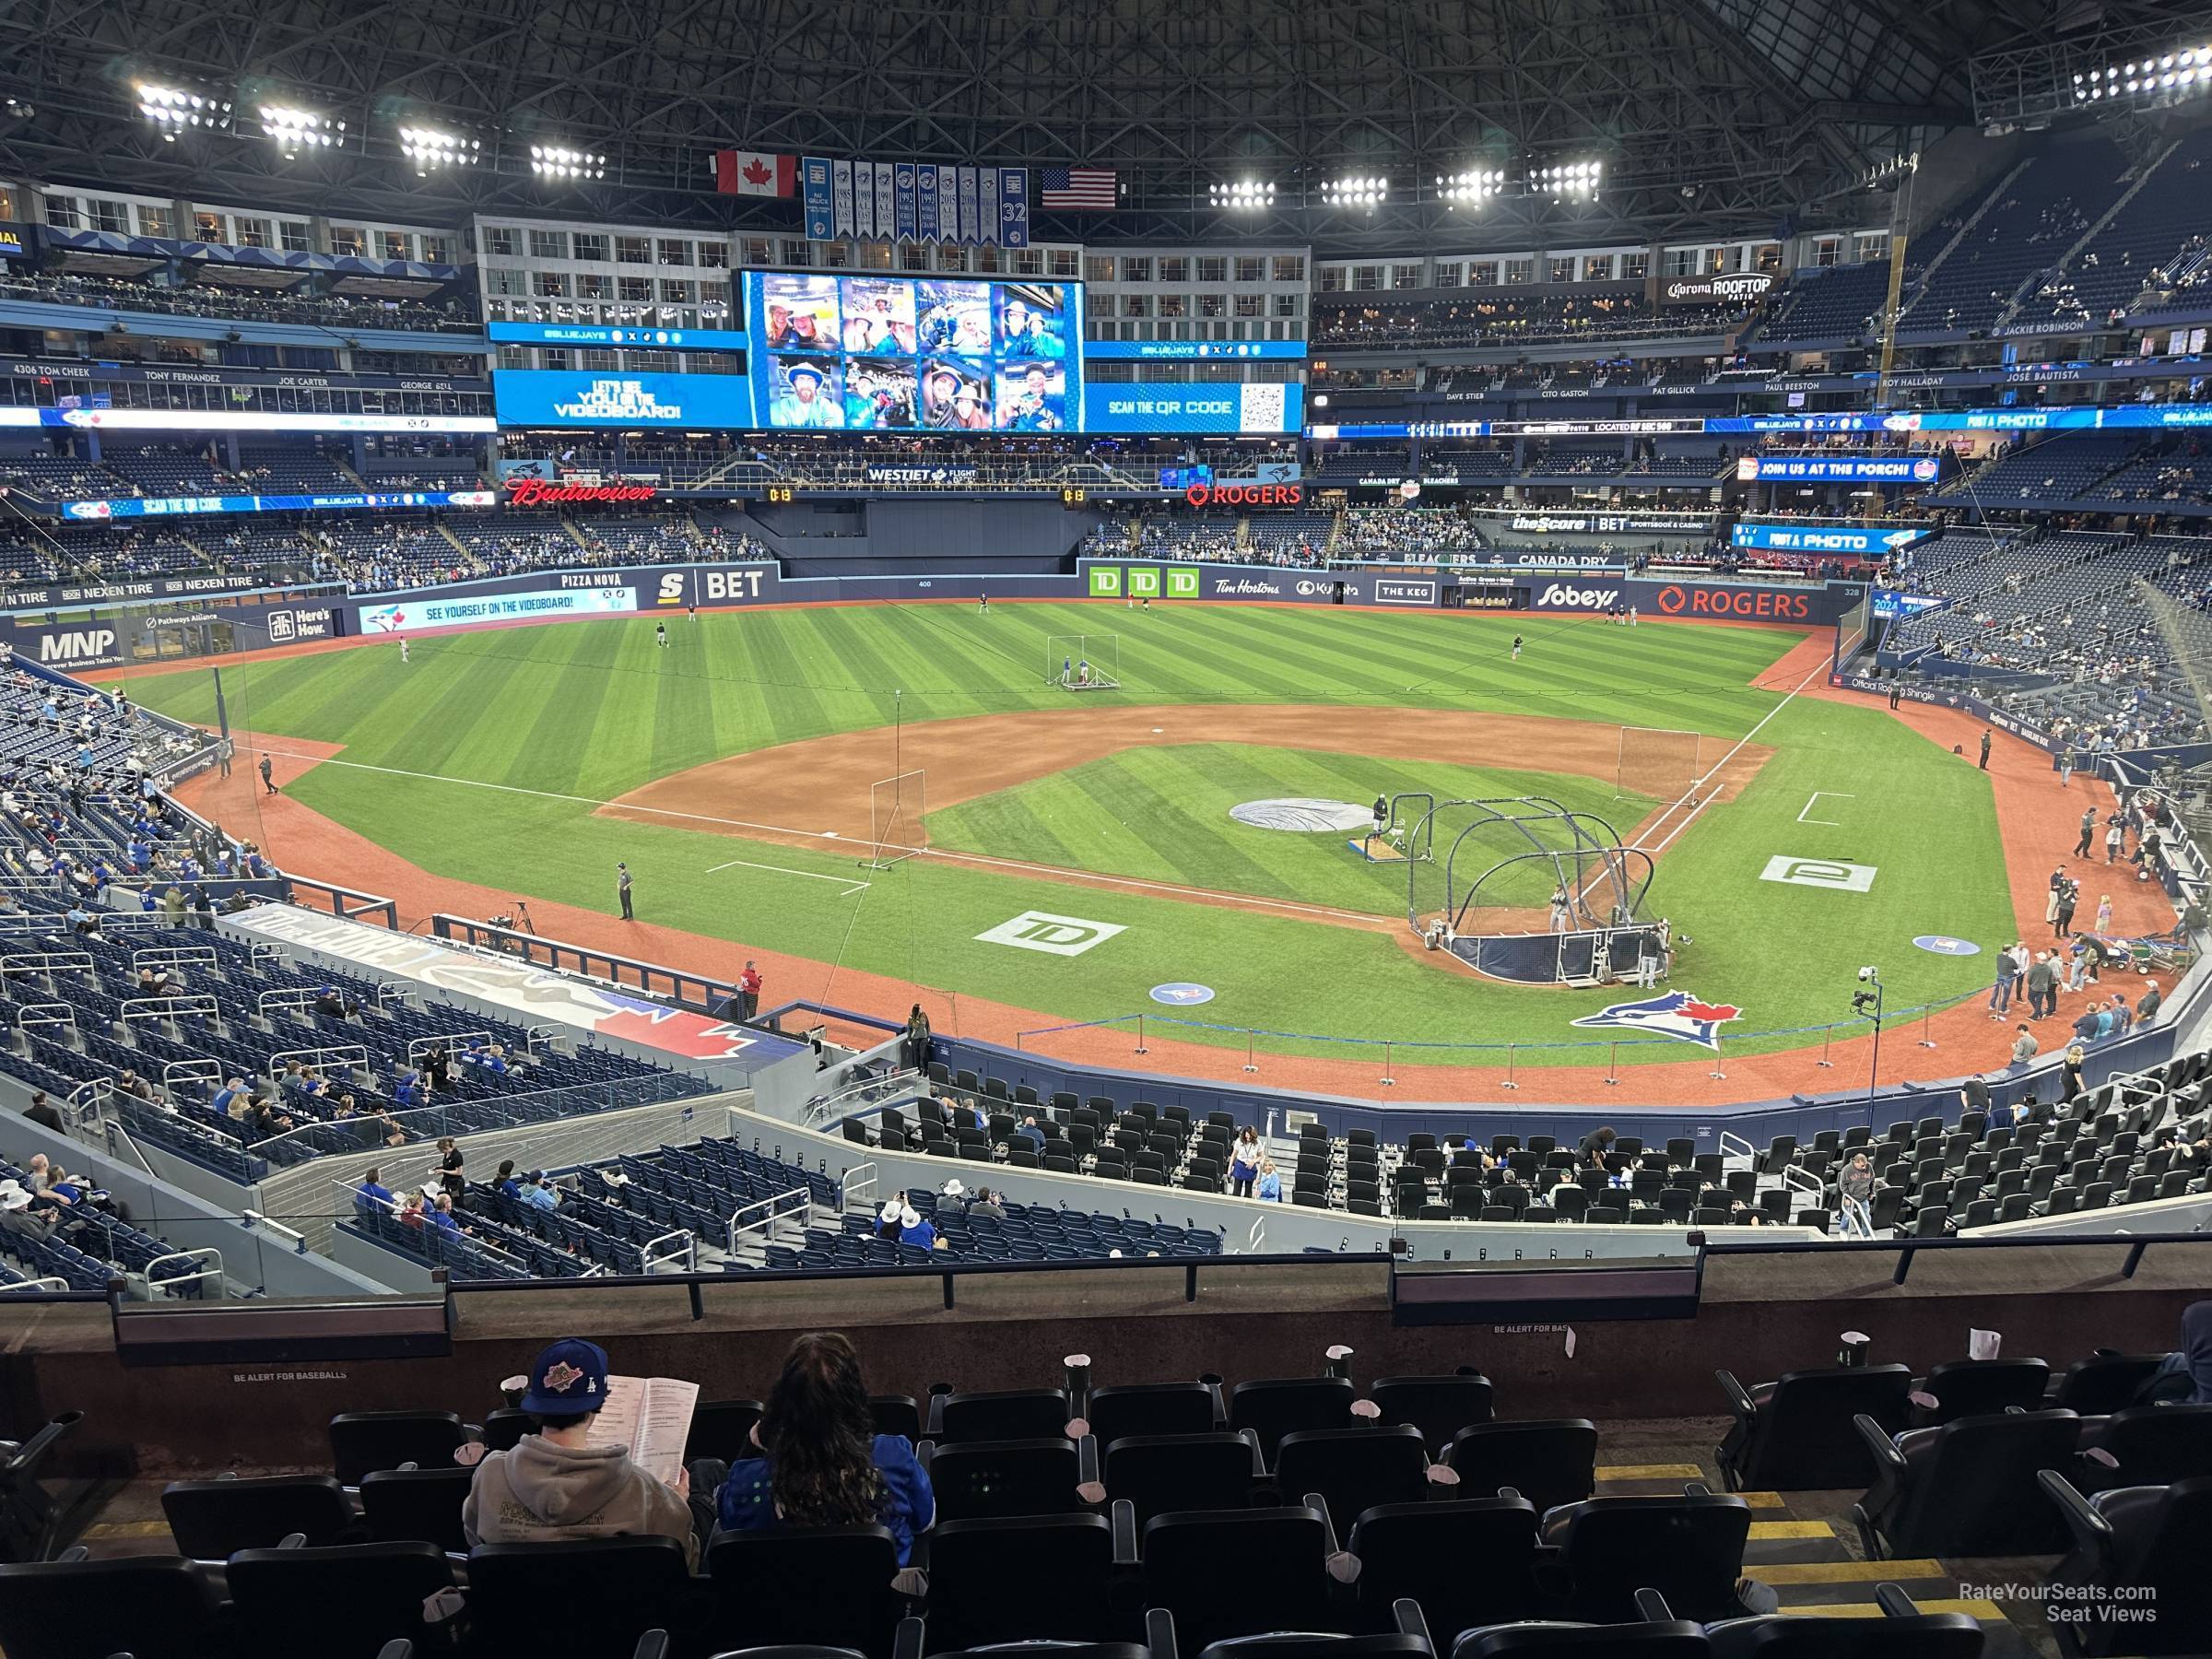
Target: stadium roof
column 1738, row 115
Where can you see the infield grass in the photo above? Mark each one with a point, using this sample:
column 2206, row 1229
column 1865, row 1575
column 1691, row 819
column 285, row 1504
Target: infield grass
column 563, row 716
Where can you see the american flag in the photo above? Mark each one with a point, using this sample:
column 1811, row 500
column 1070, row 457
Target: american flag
column 1076, row 190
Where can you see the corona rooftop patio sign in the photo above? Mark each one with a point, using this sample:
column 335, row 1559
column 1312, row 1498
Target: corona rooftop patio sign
column 536, row 492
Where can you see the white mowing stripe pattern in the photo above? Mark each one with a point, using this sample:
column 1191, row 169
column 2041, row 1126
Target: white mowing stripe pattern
column 1015, row 866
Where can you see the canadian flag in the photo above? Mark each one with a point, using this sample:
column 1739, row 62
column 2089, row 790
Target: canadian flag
column 749, row 172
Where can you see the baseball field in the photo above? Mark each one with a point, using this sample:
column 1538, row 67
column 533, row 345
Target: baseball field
column 1077, row 848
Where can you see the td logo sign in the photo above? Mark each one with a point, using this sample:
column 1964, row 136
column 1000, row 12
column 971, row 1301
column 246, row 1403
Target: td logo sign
column 1055, row 936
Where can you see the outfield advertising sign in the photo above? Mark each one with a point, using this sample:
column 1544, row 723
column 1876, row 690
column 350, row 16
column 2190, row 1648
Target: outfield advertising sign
column 532, row 605
column 560, row 397
column 1865, row 541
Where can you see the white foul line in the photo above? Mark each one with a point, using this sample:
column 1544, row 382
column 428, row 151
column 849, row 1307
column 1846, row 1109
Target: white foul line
column 851, row 886
column 1669, row 839
column 1833, row 794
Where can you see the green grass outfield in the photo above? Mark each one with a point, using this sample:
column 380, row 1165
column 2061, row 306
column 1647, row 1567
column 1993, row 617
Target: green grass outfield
column 566, row 715
column 1162, row 814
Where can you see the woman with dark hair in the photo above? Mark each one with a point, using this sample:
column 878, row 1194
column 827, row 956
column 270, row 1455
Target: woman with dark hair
column 823, row 1464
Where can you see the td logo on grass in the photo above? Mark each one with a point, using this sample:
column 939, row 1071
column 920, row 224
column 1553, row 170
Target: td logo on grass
column 1055, row 936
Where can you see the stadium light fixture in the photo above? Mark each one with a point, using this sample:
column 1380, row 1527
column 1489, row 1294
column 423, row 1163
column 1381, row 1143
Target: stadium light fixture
column 1471, row 188
column 1575, row 180
column 1360, row 191
column 174, row 110
column 1243, row 196
column 2181, row 72
column 428, row 149
column 556, row 161
column 294, row 130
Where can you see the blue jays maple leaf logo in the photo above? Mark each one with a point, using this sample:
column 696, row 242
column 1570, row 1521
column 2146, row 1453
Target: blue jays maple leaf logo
column 1676, row 1014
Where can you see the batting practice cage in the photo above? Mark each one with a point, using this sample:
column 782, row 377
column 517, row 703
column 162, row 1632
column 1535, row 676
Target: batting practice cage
column 1083, row 662
column 1523, row 888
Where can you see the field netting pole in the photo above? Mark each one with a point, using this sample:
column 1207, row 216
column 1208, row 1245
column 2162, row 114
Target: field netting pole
column 894, row 802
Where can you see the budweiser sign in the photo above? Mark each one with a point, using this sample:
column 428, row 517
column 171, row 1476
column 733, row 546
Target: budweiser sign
column 537, row 492
column 1245, row 495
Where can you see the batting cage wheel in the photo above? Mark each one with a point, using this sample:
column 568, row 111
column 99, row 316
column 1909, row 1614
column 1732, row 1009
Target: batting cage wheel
column 1083, row 662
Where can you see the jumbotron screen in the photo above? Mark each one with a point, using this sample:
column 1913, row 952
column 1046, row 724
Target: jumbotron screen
column 905, row 354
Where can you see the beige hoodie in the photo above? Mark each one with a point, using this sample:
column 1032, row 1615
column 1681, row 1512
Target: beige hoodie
column 540, row 1492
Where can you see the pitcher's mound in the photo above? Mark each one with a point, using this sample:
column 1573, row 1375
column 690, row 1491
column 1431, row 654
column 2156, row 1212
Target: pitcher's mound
column 1300, row 813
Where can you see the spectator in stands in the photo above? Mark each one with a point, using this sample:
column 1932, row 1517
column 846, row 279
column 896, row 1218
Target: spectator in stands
column 509, row 1187
column 2148, row 1005
column 541, row 1192
column 554, row 1485
column 887, row 1223
column 1854, row 1191
column 42, row 1113
column 984, row 1207
column 450, row 1161
column 2024, row 1048
column 442, row 1215
column 410, row 1210
column 372, row 1191
column 2186, row 1377
column 2071, row 1080
column 914, row 1228
column 917, row 1038
column 1270, row 1183
column 1593, row 1147
column 331, row 1005
column 1244, row 1160
column 1028, row 1131
column 822, row 1463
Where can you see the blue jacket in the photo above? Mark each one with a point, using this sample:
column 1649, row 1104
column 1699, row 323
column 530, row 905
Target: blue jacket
column 747, row 1501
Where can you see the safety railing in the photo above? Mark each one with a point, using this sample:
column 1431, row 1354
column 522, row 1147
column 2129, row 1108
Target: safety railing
column 861, row 1096
column 172, row 1008
column 45, row 961
column 452, row 1042
column 48, row 1013
column 336, row 1056
column 347, row 902
column 770, row 1209
column 698, row 992
column 682, row 1246
column 173, row 956
column 210, row 1266
column 857, row 1188
column 291, row 996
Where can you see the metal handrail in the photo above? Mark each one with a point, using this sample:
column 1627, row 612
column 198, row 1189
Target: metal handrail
column 198, row 1253
column 346, row 1053
column 449, row 1040
column 687, row 1248
column 171, row 1008
column 45, row 1015
column 832, row 1106
column 45, row 961
column 768, row 1221
column 173, row 956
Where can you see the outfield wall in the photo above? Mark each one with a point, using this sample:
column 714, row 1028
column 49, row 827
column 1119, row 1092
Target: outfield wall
column 107, row 637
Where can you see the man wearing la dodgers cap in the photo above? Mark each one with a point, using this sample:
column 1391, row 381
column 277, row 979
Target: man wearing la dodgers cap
column 553, row 1485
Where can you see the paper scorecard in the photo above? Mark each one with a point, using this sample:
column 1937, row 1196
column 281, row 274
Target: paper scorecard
column 651, row 1419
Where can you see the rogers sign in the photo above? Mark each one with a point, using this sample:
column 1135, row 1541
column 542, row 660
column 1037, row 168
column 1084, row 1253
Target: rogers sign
column 1245, row 495
column 1748, row 603
column 536, row 492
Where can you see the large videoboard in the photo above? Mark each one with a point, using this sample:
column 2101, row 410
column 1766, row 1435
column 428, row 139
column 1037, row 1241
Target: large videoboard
column 914, row 354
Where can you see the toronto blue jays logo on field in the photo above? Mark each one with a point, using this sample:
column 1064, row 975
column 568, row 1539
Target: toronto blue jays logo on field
column 1676, row 1014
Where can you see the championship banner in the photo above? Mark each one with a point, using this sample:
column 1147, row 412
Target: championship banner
column 969, row 228
column 887, row 220
column 903, row 187
column 864, row 201
column 925, row 203
column 840, row 174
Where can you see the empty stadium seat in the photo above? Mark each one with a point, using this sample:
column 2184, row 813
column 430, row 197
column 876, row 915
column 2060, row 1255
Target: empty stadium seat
column 210, row 1519
column 636, row 1585
column 354, row 1598
column 416, row 1506
column 1467, row 1562
column 363, row 1440
column 1965, row 1489
column 1192, row 1560
column 2135, row 1546
column 1439, row 1407
column 1160, row 1473
column 1797, row 1433
column 1044, row 1578
column 147, row 1606
column 989, row 1481
column 1274, row 1407
column 1549, row 1462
